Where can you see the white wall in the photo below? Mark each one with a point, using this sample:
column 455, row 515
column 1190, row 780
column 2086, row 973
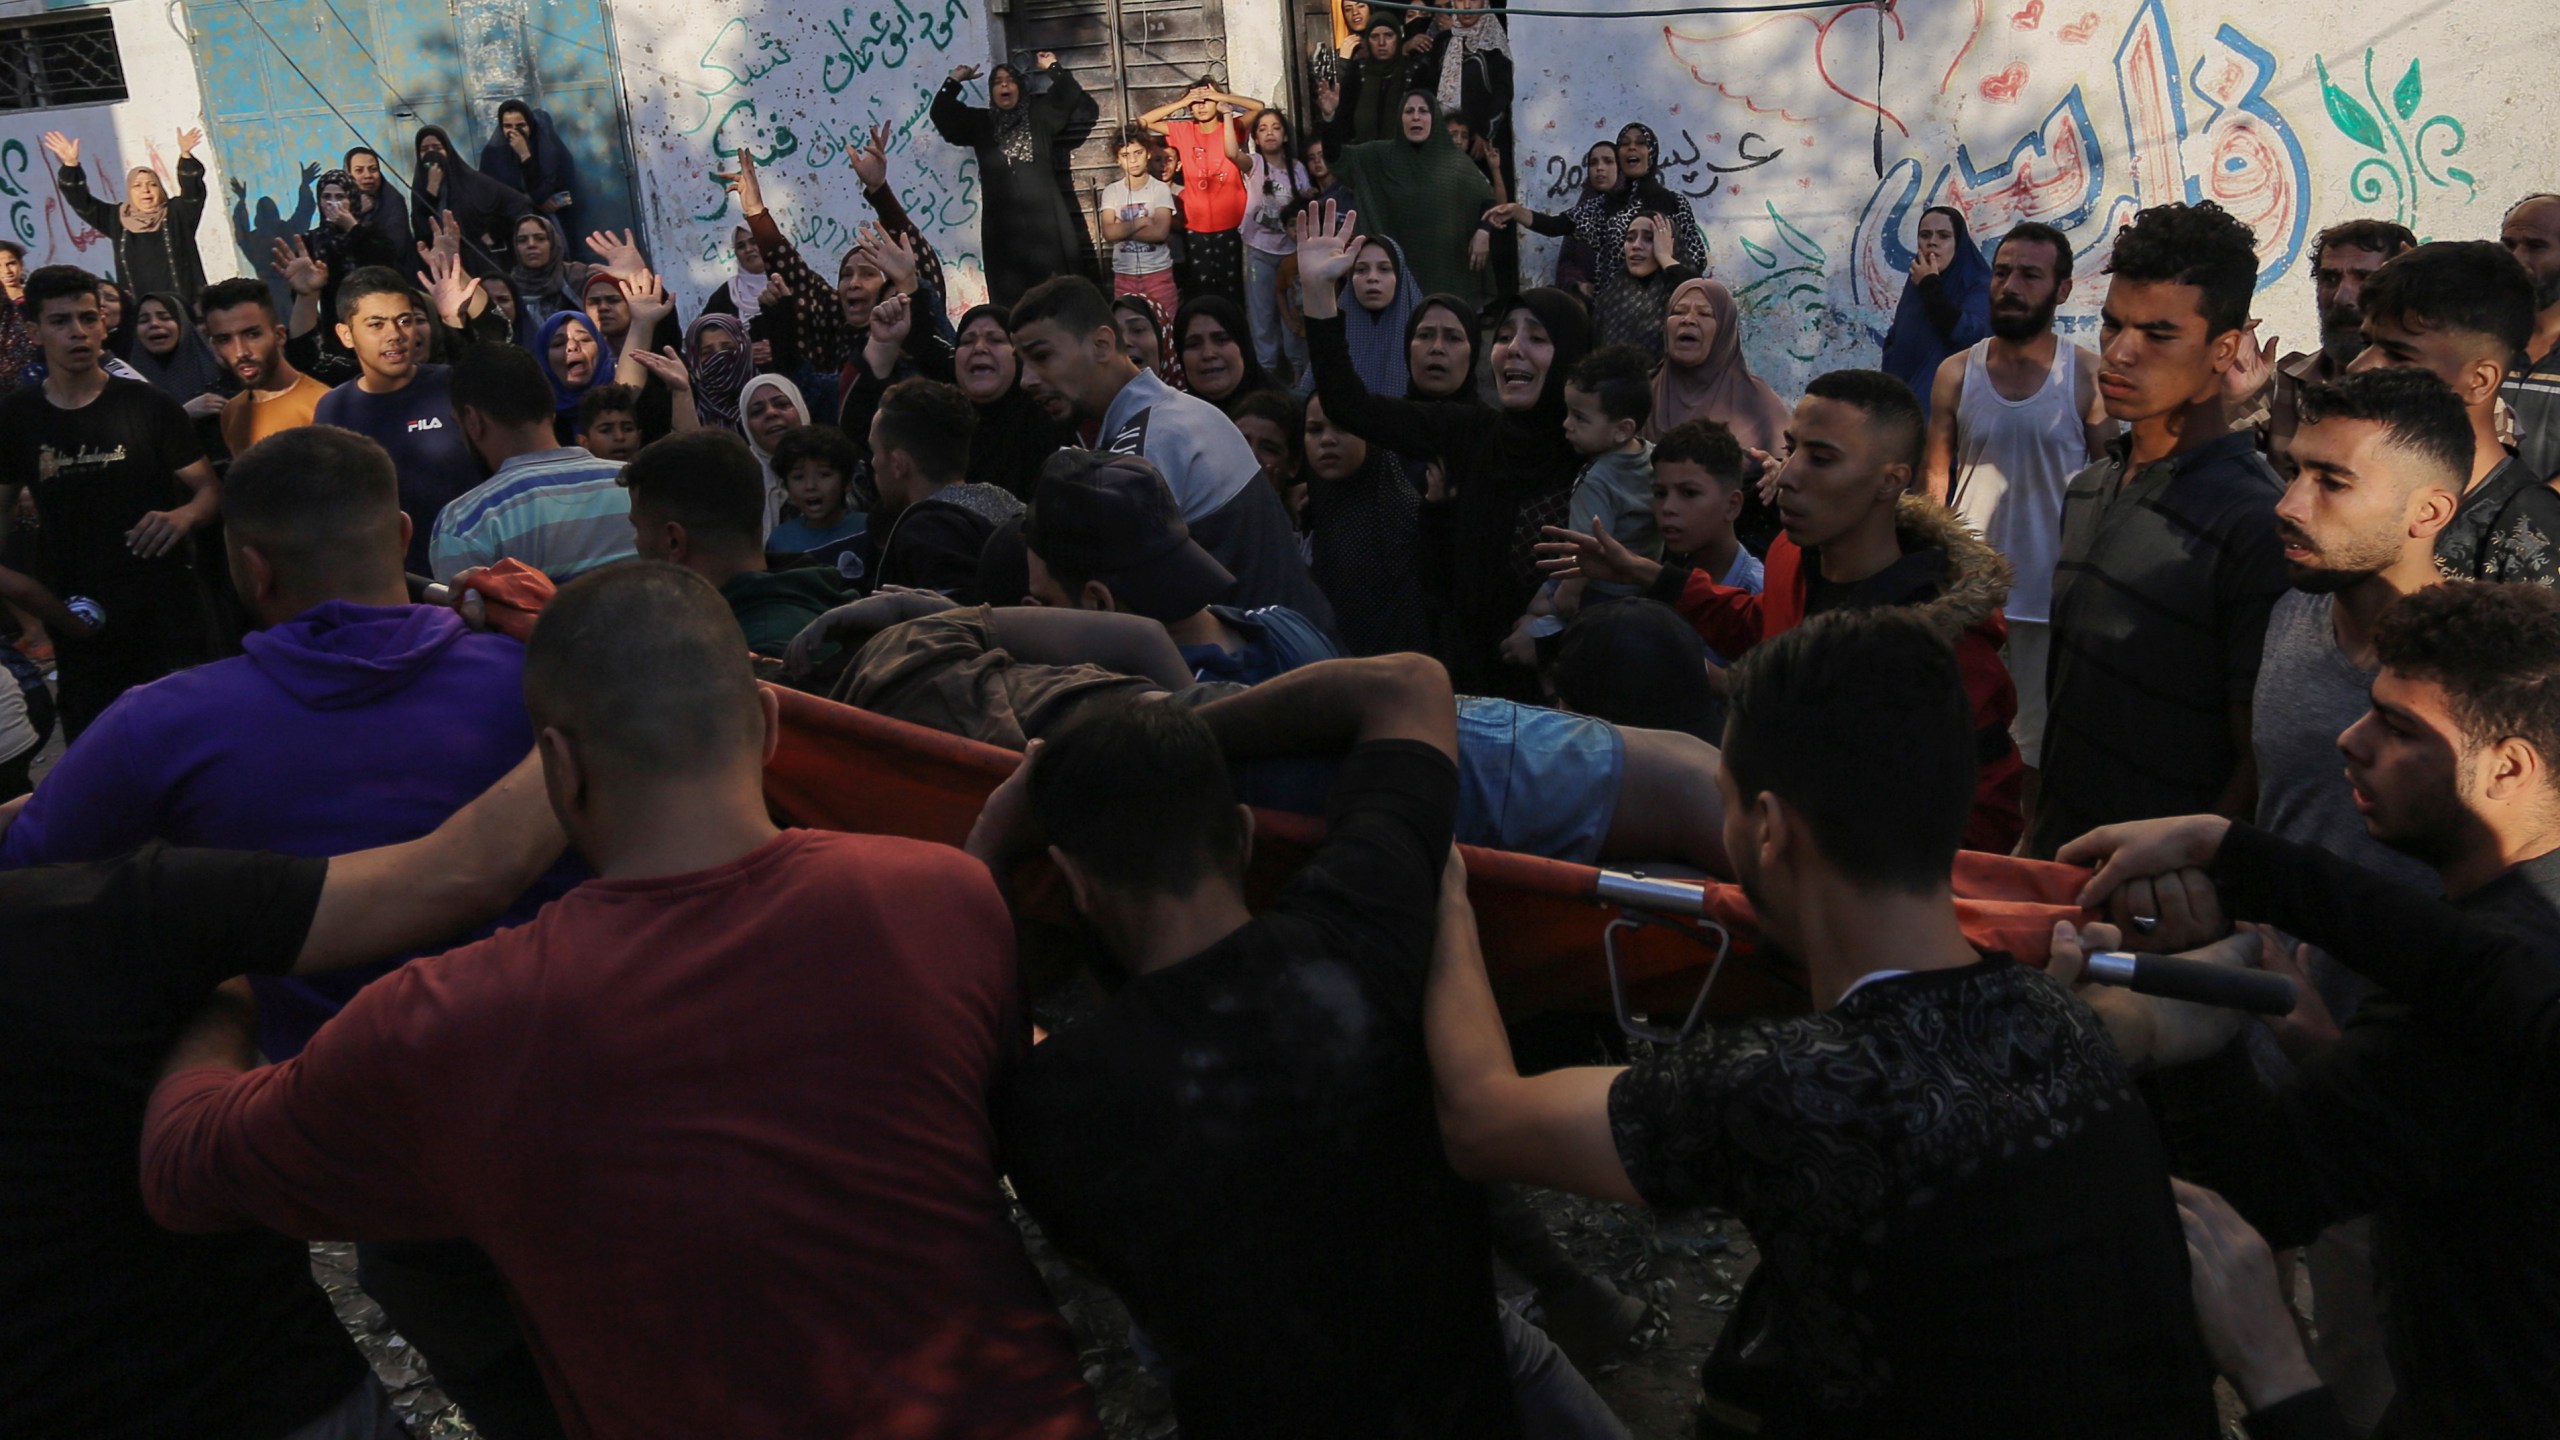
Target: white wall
column 796, row 85
column 2068, row 111
column 1258, row 59
column 160, row 77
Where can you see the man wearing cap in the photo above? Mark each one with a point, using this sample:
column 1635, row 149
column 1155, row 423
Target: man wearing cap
column 1107, row 535
column 1071, row 355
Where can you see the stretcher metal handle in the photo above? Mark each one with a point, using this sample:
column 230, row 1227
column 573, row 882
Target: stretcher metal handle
column 1643, row 901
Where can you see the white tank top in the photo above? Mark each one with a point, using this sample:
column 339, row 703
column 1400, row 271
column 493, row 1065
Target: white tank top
column 2013, row 459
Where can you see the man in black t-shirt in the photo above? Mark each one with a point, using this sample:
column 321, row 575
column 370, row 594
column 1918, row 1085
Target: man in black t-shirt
column 114, row 1327
column 113, row 463
column 1241, row 1143
column 1964, row 1211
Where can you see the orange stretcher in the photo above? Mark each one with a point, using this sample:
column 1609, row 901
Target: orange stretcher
column 1557, row 935
column 1548, row 925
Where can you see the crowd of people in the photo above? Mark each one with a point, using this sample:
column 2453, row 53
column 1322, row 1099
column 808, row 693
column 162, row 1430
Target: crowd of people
column 418, row 630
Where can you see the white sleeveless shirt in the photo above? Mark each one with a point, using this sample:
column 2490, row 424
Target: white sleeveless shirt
column 2013, row 459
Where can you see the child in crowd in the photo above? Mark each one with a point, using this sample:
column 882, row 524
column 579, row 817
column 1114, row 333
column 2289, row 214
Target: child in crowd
column 817, row 464
column 1697, row 497
column 1137, row 216
column 609, row 422
column 1607, row 400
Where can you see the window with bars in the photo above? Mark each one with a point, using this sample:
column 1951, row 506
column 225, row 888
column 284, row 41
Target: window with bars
column 56, row 62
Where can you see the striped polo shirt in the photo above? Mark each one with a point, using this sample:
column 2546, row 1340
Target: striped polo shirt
column 563, row 512
column 2160, row 605
column 2532, row 393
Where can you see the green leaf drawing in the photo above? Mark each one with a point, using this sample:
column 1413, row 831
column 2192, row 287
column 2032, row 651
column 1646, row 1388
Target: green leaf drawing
column 2404, row 96
column 1767, row 259
column 2348, row 113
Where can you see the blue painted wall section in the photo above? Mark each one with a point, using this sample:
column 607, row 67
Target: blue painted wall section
column 291, row 85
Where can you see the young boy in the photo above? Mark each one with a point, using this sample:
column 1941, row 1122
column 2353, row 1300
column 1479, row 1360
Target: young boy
column 1137, row 215
column 920, row 437
column 1607, row 401
column 1697, row 496
column 609, row 422
column 821, row 527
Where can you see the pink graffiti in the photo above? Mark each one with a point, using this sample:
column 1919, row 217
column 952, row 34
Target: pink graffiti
column 2079, row 31
column 2029, row 18
column 2003, row 88
column 1722, row 62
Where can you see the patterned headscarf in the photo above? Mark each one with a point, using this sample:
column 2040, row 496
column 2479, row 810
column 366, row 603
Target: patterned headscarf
column 1485, row 37
column 1153, row 313
column 719, row 377
column 138, row 221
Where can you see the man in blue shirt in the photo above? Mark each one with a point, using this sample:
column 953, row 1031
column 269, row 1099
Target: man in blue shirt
column 399, row 400
column 554, row 507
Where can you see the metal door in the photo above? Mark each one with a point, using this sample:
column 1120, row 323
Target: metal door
column 1132, row 56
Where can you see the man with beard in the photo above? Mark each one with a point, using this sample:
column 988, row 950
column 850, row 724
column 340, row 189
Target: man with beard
column 1946, row 1158
column 2382, row 458
column 2417, row 1114
column 2011, row 420
column 2462, row 310
column 2343, row 258
column 241, row 325
column 2531, row 233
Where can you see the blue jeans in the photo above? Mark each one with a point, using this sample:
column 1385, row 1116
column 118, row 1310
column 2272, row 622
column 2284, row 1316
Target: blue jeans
column 1272, row 336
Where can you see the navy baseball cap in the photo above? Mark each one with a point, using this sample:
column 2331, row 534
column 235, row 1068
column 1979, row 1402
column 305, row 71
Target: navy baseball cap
column 1112, row 518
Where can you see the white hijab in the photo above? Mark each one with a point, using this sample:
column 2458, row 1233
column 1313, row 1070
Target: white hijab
column 774, row 495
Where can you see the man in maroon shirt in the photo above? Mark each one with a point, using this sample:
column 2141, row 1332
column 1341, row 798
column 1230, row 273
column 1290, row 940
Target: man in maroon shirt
column 720, row 1115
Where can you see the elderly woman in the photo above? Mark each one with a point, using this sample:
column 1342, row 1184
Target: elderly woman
column 154, row 234
column 1031, row 231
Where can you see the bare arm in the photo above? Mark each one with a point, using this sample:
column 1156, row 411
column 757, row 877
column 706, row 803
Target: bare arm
column 1335, row 705
column 1128, row 644
column 29, row 594
column 1550, row 1129
column 1938, row 458
column 1157, row 227
column 160, row 531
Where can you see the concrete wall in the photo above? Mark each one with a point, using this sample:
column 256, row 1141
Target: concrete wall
column 160, row 75
column 1809, row 180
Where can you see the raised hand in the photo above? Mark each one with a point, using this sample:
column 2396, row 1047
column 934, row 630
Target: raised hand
column 1044, row 60
column 743, row 183
column 775, row 287
column 895, row 257
column 2253, row 369
column 189, row 139
column 302, row 274
column 1329, row 239
column 667, row 367
column 1666, row 248
column 891, row 320
column 450, row 287
column 620, row 253
column 649, row 301
column 64, row 150
column 963, row 74
column 871, row 157
column 1329, row 98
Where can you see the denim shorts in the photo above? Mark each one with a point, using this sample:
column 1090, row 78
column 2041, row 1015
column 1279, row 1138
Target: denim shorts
column 1531, row 781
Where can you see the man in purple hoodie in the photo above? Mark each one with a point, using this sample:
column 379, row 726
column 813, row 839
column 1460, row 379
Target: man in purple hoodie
column 354, row 720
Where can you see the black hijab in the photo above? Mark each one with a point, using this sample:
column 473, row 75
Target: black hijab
column 1568, row 324
column 1014, row 436
column 1468, row 316
column 485, row 209
column 1231, row 315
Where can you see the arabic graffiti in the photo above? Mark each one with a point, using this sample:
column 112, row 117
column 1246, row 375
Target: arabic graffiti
column 1680, row 168
column 889, row 44
column 2178, row 133
column 2404, row 158
column 13, row 186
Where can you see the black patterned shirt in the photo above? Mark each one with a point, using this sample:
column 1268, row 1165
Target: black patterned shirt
column 2507, row 529
column 1962, row 1207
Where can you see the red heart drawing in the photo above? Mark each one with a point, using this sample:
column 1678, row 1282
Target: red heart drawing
column 2079, row 31
column 2029, row 18
column 2003, row 88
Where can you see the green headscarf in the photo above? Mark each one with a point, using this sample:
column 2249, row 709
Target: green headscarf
column 1427, row 197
